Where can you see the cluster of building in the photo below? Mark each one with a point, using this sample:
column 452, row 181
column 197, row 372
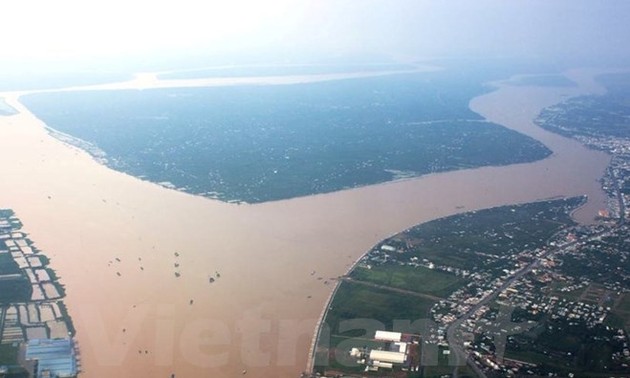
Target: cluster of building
column 54, row 358
column 400, row 351
column 617, row 177
column 39, row 325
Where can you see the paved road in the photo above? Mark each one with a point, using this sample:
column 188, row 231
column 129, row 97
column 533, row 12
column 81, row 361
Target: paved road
column 622, row 213
column 456, row 347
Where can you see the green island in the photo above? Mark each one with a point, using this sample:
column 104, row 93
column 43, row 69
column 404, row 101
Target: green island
column 517, row 290
column 272, row 142
column 35, row 327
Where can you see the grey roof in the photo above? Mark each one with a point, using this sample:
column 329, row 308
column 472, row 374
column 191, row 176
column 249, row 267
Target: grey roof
column 54, row 355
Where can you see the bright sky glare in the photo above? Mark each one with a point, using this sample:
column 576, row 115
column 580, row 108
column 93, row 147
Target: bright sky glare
column 44, row 28
column 67, row 27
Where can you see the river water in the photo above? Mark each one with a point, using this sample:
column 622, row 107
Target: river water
column 259, row 313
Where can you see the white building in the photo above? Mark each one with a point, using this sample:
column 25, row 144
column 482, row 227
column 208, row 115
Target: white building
column 386, row 356
column 388, row 336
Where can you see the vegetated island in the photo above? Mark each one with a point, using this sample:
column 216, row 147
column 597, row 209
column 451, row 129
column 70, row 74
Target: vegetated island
column 264, row 143
column 35, row 327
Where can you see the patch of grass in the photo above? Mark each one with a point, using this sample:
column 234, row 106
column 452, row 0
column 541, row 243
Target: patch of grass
column 8, row 354
column 8, row 265
column 568, row 295
column 530, row 356
column 370, row 309
column 624, row 303
column 15, row 290
column 420, row 279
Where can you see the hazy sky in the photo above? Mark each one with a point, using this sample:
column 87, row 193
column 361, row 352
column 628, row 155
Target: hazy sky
column 415, row 28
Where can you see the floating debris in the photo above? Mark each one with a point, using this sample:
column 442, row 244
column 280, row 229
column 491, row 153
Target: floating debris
column 118, row 274
column 191, row 302
column 117, row 259
column 141, row 268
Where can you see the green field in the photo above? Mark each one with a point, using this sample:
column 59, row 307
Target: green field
column 379, row 307
column 15, row 289
column 620, row 315
column 624, row 304
column 8, row 354
column 420, row 279
column 569, row 295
